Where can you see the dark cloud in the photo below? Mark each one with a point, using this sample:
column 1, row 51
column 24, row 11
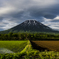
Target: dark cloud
column 17, row 15
column 15, row 12
column 49, row 16
column 49, row 13
column 1, row 18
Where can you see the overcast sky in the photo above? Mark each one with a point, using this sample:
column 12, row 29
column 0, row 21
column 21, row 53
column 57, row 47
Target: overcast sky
column 13, row 12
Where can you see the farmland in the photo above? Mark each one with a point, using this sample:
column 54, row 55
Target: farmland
column 23, row 49
column 15, row 46
column 50, row 45
column 29, row 53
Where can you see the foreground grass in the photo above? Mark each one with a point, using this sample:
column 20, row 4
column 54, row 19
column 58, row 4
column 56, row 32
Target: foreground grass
column 29, row 53
column 15, row 46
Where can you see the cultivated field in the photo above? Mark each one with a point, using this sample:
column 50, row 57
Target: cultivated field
column 15, row 46
column 50, row 45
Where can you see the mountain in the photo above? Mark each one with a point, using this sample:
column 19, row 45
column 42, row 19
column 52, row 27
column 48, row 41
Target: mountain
column 31, row 26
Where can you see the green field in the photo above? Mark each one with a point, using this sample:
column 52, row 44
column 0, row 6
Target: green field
column 25, row 50
column 15, row 46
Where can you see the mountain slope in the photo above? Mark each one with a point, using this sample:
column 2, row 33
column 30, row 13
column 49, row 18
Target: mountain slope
column 30, row 25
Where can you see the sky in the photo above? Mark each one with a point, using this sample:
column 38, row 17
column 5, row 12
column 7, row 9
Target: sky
column 14, row 12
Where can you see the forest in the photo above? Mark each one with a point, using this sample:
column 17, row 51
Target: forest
column 29, row 36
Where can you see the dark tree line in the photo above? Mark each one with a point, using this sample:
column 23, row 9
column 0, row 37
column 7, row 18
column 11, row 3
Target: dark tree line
column 28, row 36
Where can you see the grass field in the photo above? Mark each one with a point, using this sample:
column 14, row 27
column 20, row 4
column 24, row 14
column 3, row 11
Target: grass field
column 50, row 45
column 15, row 46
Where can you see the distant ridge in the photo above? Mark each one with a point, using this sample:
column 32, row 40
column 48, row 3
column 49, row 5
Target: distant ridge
column 31, row 26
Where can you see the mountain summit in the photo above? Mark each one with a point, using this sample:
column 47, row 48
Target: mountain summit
column 30, row 25
column 33, row 25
